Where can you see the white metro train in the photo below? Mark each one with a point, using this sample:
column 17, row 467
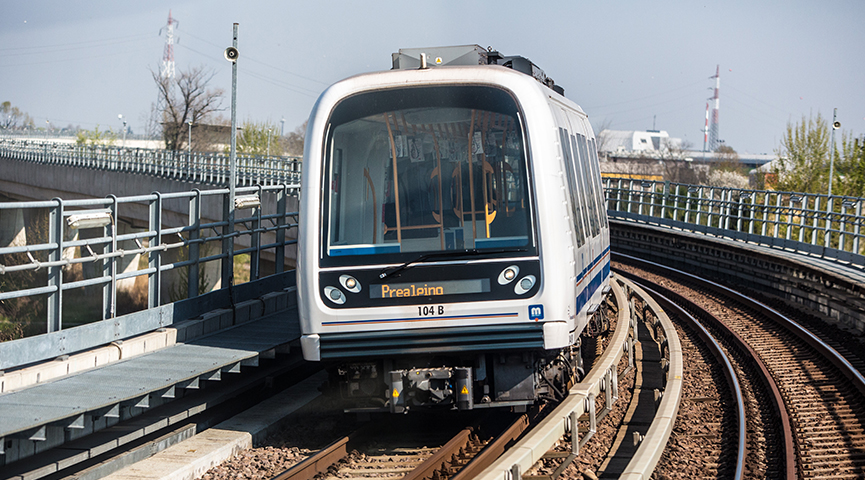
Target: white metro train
column 453, row 241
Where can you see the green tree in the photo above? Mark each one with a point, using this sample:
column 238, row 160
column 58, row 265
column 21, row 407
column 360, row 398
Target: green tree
column 256, row 138
column 804, row 156
column 95, row 137
column 20, row 317
column 850, row 166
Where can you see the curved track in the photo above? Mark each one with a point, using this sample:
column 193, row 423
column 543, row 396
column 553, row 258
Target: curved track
column 725, row 404
column 823, row 395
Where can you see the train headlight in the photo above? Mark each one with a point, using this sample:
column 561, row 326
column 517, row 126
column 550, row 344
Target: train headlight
column 350, row 283
column 508, row 275
column 335, row 295
column 525, row 284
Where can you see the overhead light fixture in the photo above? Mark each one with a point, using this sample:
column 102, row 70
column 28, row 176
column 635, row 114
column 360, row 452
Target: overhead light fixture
column 247, row 201
column 88, row 220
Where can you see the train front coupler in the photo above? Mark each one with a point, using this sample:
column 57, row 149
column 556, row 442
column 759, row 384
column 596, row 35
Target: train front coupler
column 430, row 387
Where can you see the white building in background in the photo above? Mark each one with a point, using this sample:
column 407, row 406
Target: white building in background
column 641, row 155
column 646, row 143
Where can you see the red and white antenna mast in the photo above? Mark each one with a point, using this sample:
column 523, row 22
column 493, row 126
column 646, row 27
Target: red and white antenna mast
column 713, row 130
column 168, row 54
column 706, row 129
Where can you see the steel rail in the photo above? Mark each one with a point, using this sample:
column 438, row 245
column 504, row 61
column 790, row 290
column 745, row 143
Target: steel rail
column 581, row 399
column 465, row 442
column 729, row 373
column 318, row 463
column 837, row 360
column 494, row 449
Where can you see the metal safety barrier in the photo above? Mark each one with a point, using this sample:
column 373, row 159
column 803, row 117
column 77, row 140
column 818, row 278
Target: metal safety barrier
column 183, row 230
column 208, row 168
column 811, row 224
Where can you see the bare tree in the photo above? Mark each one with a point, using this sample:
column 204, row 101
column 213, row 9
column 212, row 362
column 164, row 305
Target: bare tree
column 183, row 99
column 12, row 118
column 726, row 158
column 292, row 143
column 602, row 137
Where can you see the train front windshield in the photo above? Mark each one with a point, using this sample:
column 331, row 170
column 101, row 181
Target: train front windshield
column 424, row 170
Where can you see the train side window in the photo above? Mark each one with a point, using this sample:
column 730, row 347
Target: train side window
column 594, row 152
column 581, row 182
column 591, row 207
column 593, row 184
column 594, row 176
column 572, row 186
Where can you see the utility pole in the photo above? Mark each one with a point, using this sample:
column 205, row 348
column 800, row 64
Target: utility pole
column 120, row 116
column 231, row 55
column 268, row 141
column 716, row 101
column 168, row 53
column 835, row 126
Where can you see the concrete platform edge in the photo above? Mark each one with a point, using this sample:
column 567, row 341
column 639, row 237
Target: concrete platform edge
column 193, row 457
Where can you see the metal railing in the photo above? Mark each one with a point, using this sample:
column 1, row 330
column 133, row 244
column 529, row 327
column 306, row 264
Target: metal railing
column 811, row 224
column 86, row 232
column 208, row 168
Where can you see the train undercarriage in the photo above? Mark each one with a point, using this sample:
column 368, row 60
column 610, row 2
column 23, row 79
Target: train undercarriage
column 456, row 381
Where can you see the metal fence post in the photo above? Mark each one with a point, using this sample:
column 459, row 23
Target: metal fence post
column 55, row 271
column 227, row 241
column 255, row 241
column 154, row 278
column 109, row 264
column 830, row 210
column 856, row 229
column 815, row 232
column 281, row 200
column 666, row 194
column 194, row 247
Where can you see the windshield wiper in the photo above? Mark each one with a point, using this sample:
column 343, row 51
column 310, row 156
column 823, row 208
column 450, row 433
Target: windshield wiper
column 387, row 272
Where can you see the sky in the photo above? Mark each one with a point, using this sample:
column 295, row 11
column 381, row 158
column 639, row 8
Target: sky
column 631, row 65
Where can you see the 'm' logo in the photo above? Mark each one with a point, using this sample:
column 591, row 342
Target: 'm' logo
column 536, row 312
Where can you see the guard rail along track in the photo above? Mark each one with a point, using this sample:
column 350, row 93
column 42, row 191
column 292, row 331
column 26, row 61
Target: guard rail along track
column 581, row 400
column 735, row 389
column 208, row 168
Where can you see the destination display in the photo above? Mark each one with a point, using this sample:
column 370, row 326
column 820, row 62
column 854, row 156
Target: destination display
column 430, row 289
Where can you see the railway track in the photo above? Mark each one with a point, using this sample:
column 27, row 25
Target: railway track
column 820, row 393
column 615, row 422
column 414, row 448
column 713, row 407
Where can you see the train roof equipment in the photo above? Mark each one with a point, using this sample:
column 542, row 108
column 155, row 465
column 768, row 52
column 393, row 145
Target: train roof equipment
column 467, row 55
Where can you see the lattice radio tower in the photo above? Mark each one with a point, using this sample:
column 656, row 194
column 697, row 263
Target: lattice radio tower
column 713, row 126
column 168, row 54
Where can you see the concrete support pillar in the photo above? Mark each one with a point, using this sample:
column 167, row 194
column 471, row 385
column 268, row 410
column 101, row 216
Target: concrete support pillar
column 213, row 271
column 127, row 263
column 12, row 231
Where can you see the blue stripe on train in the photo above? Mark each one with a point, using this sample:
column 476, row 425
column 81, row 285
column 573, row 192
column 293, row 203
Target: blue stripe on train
column 586, row 293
